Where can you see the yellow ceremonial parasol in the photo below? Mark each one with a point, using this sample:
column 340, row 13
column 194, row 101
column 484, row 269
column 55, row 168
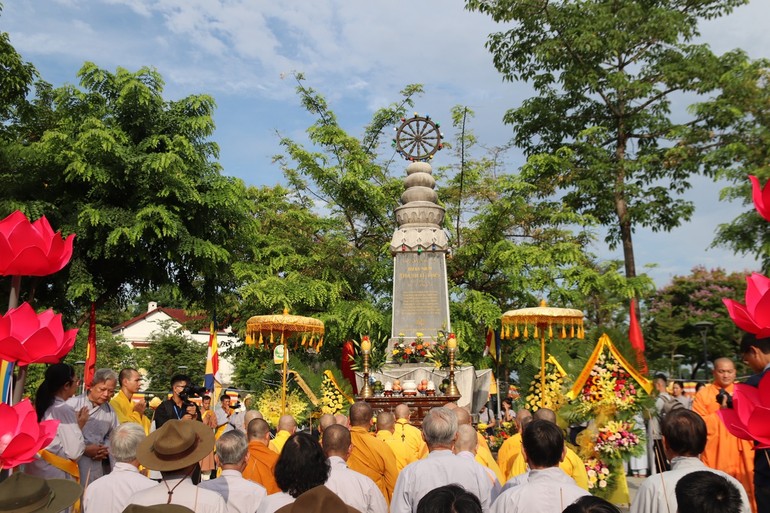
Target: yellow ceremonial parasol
column 270, row 330
column 542, row 320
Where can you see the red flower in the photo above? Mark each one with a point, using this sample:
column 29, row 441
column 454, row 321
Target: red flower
column 749, row 418
column 26, row 337
column 761, row 196
column 31, row 249
column 21, row 436
column 754, row 316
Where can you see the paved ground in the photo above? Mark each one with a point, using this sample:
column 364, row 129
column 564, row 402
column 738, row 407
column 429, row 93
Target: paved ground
column 633, row 486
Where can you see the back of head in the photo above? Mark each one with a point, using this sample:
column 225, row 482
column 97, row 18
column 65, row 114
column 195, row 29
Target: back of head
column 301, row 466
column 463, row 416
column 449, row 499
column 336, row 441
column 287, row 423
column 706, row 492
column 257, row 429
column 360, row 414
column 402, row 411
column 341, row 419
column 591, row 504
column 56, row 377
column 124, row 440
column 467, row 440
column 232, row 448
column 439, row 428
column 249, row 416
column 326, row 420
column 386, row 420
column 543, row 443
column 545, row 414
column 684, row 432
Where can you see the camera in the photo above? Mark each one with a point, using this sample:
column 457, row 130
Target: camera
column 191, row 391
column 721, row 397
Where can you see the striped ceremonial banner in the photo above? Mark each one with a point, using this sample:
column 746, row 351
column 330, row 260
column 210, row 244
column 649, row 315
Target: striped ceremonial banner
column 6, row 381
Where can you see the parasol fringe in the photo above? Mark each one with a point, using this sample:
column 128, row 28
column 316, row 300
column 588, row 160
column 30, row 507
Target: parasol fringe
column 563, row 331
column 249, row 339
column 550, row 331
column 516, row 332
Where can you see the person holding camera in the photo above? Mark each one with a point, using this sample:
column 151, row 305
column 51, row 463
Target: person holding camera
column 724, row 451
column 179, row 407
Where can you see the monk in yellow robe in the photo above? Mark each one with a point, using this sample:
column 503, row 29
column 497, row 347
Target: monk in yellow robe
column 511, row 448
column 483, row 454
column 126, row 409
column 370, row 456
column 286, row 427
column 724, row 451
column 386, row 431
column 417, row 449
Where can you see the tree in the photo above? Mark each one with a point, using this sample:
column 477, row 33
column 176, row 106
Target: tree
column 135, row 177
column 169, row 352
column 600, row 132
column 675, row 310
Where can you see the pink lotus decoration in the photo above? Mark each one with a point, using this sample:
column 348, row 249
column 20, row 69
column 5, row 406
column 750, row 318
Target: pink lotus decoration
column 26, row 337
column 21, row 436
column 761, row 197
column 754, row 316
column 31, row 249
column 749, row 417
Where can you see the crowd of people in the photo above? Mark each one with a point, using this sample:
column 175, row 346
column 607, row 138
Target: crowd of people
column 110, row 458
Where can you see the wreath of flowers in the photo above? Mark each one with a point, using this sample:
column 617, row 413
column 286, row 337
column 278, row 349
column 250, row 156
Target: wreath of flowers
column 617, row 439
column 417, row 351
column 609, row 384
column 599, row 476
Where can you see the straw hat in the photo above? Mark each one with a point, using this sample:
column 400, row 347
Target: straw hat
column 176, row 445
column 157, row 508
column 25, row 493
column 318, row 500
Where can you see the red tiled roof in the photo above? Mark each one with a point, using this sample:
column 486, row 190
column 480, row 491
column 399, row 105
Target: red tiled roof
column 178, row 314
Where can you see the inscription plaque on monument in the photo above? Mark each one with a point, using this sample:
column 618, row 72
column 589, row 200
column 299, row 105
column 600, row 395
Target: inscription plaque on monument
column 420, row 296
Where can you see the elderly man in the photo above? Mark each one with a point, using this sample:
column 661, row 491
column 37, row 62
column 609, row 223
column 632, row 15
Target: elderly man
column 466, row 446
column 95, row 461
column 571, row 464
column 441, row 467
column 126, row 409
column 112, row 493
column 408, row 434
column 175, row 449
column 370, row 456
column 353, row 488
column 483, row 454
column 511, row 448
column 287, row 426
column 547, row 489
column 261, row 465
column 240, row 495
column 724, row 451
column 386, row 431
column 684, row 439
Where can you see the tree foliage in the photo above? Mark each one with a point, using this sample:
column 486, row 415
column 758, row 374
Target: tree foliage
column 170, row 352
column 601, row 132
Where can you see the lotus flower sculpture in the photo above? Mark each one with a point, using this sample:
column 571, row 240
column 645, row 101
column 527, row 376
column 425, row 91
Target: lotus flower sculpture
column 31, row 249
column 27, row 337
column 749, row 417
column 21, row 435
column 761, row 197
column 754, row 316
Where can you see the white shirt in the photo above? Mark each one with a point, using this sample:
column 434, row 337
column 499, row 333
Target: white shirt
column 275, row 501
column 185, row 494
column 547, row 490
column 241, row 495
column 354, row 488
column 101, row 421
column 496, row 486
column 113, row 492
column 650, row 498
column 68, row 442
column 440, row 468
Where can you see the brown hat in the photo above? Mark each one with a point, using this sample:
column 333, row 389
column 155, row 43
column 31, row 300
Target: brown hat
column 23, row 492
column 318, row 500
column 157, row 508
column 176, row 445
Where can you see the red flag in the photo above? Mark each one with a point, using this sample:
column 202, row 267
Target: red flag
column 346, row 365
column 88, row 373
column 490, row 348
column 636, row 338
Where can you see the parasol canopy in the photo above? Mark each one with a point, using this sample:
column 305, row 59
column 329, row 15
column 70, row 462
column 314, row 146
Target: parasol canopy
column 517, row 323
column 283, row 328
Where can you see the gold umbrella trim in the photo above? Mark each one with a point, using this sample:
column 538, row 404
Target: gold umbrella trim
column 269, row 330
column 540, row 317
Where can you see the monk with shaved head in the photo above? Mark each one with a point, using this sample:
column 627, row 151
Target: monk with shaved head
column 386, row 431
column 260, row 467
column 286, row 427
column 483, row 454
column 409, row 435
column 371, row 456
column 511, row 448
column 724, row 451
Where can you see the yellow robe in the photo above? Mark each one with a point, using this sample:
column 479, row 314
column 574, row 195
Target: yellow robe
column 374, row 459
column 124, row 410
column 572, row 465
column 277, row 443
column 417, row 449
column 400, row 449
column 508, row 452
column 724, row 451
column 484, row 456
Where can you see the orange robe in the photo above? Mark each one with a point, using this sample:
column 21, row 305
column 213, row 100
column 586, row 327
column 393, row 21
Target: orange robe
column 374, row 459
column 261, row 466
column 724, row 451
column 508, row 452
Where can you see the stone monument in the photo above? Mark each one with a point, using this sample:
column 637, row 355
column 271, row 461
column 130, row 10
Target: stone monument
column 419, row 247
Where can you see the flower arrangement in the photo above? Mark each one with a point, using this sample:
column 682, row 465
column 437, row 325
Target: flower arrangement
column 332, row 400
column 417, row 351
column 439, row 352
column 498, row 436
column 269, row 404
column 554, row 397
column 609, row 385
column 617, row 439
column 599, row 476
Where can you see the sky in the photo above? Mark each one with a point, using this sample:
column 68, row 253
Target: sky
column 359, row 55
